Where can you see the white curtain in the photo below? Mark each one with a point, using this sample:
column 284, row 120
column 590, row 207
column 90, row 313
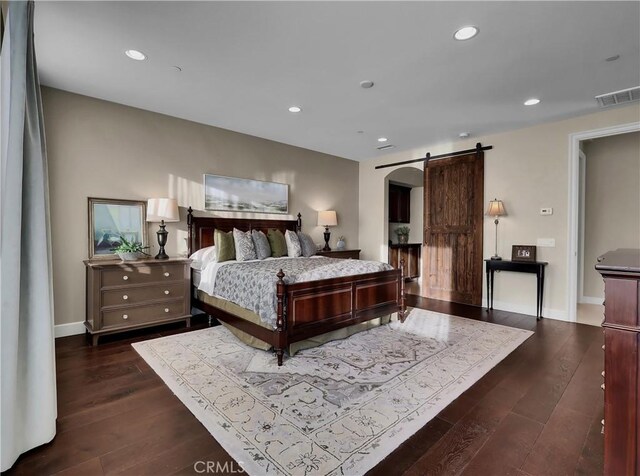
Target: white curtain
column 27, row 354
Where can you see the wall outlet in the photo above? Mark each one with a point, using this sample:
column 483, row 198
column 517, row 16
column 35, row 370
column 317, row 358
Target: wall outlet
column 547, row 242
column 546, row 211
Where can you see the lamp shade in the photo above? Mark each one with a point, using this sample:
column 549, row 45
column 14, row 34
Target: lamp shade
column 328, row 218
column 159, row 209
column 496, row 208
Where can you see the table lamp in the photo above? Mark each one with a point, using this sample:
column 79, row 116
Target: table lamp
column 327, row 219
column 162, row 210
column 496, row 209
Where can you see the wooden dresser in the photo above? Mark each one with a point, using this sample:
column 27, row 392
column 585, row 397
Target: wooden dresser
column 129, row 295
column 621, row 272
column 341, row 254
column 410, row 253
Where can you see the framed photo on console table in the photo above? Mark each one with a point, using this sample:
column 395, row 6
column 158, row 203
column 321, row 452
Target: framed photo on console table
column 110, row 219
column 231, row 194
column 523, row 253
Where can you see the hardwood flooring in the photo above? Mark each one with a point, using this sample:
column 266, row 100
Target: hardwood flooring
column 538, row 412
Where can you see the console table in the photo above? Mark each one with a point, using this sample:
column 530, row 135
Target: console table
column 533, row 267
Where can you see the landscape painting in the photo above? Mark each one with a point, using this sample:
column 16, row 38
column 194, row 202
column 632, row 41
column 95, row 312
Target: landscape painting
column 243, row 195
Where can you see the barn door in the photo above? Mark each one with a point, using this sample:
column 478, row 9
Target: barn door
column 453, row 206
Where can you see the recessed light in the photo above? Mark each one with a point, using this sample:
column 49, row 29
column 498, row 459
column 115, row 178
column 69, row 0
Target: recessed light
column 466, row 33
column 532, row 102
column 366, row 84
column 382, row 139
column 463, row 135
column 136, row 55
column 295, row 109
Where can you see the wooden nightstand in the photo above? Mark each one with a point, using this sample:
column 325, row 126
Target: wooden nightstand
column 124, row 295
column 341, row 254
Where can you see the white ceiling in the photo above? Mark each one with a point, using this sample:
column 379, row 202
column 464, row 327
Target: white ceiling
column 244, row 63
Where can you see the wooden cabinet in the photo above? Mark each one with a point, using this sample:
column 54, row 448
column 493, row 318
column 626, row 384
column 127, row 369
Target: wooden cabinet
column 399, row 204
column 621, row 272
column 129, row 295
column 341, row 254
column 410, row 253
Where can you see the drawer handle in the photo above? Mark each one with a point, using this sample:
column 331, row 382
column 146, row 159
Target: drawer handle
column 125, row 297
column 166, row 309
column 603, row 373
column 166, row 291
column 125, row 316
column 125, row 277
column 602, row 386
column 166, row 275
column 603, row 347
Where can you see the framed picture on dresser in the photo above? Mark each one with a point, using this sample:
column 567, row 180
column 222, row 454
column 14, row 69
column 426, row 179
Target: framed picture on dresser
column 110, row 220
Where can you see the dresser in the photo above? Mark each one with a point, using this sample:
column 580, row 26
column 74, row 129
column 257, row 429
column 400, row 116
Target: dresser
column 125, row 295
column 341, row 254
column 621, row 272
column 410, row 253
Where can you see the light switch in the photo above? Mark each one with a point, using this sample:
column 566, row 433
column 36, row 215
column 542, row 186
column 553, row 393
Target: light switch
column 546, row 211
column 547, row 242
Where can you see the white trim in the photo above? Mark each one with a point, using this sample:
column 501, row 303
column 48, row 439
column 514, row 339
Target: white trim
column 573, row 208
column 556, row 314
column 70, row 329
column 582, row 173
column 591, row 300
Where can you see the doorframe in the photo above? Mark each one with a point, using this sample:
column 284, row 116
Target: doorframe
column 574, row 203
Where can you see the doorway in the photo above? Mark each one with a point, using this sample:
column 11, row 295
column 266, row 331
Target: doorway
column 599, row 211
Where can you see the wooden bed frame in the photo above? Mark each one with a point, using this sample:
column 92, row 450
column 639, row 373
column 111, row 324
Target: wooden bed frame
column 306, row 309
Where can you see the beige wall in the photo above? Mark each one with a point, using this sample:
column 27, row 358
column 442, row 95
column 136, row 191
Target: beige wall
column 528, row 169
column 612, row 201
column 101, row 149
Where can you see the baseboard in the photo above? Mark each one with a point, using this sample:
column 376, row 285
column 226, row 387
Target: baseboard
column 590, row 300
column 556, row 314
column 70, row 329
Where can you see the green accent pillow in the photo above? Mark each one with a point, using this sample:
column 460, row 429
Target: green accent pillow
column 277, row 243
column 225, row 245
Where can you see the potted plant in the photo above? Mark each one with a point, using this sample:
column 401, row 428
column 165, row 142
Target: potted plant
column 341, row 243
column 130, row 250
column 403, row 234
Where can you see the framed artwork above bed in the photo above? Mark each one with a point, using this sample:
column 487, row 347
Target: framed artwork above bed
column 232, row 194
column 111, row 219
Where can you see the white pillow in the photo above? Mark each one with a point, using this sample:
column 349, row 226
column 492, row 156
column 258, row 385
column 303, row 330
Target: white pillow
column 294, row 250
column 202, row 257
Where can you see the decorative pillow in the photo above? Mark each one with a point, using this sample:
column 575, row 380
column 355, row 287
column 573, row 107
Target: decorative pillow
column 293, row 244
column 201, row 258
column 261, row 244
column 307, row 245
column 244, row 245
column 277, row 243
column 225, row 246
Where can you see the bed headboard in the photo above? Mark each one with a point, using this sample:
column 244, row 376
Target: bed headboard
column 201, row 228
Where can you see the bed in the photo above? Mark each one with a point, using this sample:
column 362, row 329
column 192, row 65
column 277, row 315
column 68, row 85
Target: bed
column 303, row 310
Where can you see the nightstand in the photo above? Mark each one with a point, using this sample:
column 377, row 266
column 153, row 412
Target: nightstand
column 341, row 254
column 125, row 295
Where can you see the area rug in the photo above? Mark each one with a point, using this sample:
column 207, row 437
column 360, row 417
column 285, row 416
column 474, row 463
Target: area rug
column 338, row 409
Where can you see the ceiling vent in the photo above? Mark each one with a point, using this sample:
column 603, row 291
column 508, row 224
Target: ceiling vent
column 619, row 97
column 385, row 147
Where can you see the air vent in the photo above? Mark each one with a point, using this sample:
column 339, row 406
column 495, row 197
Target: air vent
column 619, row 97
column 385, row 147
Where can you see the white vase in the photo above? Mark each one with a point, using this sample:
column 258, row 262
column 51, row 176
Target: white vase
column 341, row 245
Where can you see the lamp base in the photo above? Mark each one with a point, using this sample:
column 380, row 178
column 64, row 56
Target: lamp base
column 496, row 258
column 162, row 240
column 327, row 237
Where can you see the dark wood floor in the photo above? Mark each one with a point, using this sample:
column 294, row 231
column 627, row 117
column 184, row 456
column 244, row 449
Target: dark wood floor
column 538, row 412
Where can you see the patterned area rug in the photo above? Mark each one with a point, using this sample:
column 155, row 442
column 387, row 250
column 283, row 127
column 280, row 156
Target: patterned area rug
column 338, row 409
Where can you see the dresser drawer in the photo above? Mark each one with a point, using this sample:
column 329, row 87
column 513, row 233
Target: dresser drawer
column 125, row 275
column 117, row 297
column 125, row 317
